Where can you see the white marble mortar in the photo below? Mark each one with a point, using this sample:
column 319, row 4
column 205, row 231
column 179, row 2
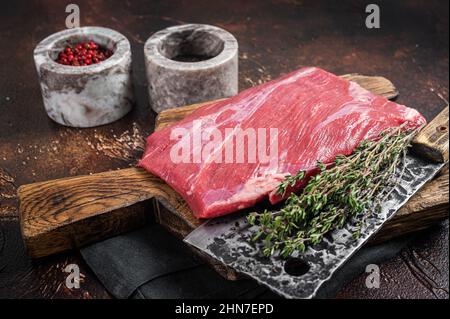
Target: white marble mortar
column 85, row 96
column 173, row 83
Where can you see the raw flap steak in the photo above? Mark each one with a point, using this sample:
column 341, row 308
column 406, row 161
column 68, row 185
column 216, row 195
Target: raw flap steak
column 228, row 155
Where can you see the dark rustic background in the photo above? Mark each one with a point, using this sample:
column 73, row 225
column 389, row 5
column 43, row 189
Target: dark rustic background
column 410, row 48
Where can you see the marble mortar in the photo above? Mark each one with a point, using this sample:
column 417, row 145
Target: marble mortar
column 85, row 96
column 189, row 64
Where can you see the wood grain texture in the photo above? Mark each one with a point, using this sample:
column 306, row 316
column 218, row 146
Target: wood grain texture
column 376, row 84
column 432, row 141
column 70, row 212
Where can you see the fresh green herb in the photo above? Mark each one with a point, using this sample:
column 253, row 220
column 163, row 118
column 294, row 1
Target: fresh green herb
column 290, row 181
column 339, row 193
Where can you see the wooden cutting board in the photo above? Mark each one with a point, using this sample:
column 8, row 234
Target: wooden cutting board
column 68, row 213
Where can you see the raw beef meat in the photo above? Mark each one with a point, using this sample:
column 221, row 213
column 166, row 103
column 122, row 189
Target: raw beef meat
column 317, row 115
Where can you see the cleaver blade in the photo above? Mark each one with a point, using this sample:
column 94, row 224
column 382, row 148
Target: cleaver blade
column 229, row 239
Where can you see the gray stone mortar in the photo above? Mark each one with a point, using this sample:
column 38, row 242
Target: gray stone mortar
column 85, row 96
column 173, row 83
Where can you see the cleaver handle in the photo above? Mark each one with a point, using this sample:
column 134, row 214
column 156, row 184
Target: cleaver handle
column 432, row 140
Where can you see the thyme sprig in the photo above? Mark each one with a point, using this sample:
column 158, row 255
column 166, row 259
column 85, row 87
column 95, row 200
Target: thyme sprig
column 290, row 181
column 338, row 193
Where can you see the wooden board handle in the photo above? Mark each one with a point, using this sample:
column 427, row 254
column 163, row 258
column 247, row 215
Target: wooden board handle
column 432, row 140
column 64, row 212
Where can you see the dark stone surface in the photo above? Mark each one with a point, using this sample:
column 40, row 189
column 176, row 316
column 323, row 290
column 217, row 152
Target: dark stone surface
column 411, row 49
column 419, row 271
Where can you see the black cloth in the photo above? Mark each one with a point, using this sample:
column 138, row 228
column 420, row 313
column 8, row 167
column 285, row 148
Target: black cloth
column 152, row 263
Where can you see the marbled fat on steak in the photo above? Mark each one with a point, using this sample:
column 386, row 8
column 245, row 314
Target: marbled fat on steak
column 317, row 115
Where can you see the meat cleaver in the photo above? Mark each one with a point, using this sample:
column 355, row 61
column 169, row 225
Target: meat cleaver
column 229, row 239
